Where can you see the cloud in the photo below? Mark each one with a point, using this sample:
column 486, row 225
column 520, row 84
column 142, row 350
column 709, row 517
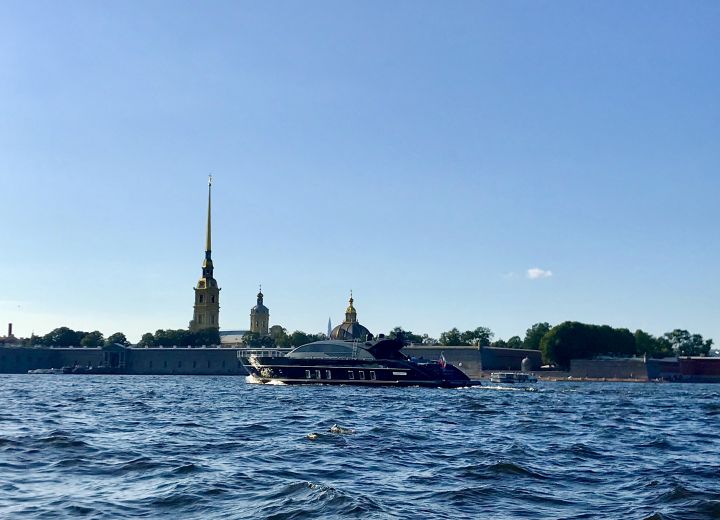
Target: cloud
column 535, row 273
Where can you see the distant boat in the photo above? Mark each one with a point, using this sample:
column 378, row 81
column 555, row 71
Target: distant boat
column 512, row 377
column 367, row 363
column 46, row 371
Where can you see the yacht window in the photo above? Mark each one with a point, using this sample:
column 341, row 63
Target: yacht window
column 328, row 375
column 372, row 375
column 317, row 375
column 351, row 374
column 307, row 374
column 362, row 374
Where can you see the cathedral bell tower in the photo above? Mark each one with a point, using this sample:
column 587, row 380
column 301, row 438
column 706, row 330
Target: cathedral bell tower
column 259, row 316
column 207, row 293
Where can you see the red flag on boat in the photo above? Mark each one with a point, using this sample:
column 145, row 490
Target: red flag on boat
column 442, row 361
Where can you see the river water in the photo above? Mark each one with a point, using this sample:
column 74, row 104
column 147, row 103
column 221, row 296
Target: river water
column 218, row 447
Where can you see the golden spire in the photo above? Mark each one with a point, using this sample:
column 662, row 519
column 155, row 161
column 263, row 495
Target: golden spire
column 208, row 239
column 350, row 312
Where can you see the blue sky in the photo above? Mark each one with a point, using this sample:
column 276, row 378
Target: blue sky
column 425, row 155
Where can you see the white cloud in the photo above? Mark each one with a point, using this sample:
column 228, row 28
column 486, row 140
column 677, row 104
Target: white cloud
column 536, row 273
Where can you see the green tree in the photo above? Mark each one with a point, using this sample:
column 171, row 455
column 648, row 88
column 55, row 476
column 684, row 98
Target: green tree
column 299, row 337
column 255, row 340
column 481, row 336
column 62, row 337
column 686, row 344
column 427, row 340
column 574, row 340
column 92, row 339
column 650, row 346
column 534, row 335
column 209, row 336
column 118, row 337
column 515, row 342
column 452, row 337
column 279, row 336
column 405, row 336
column 147, row 340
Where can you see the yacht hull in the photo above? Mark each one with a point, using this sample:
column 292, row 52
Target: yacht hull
column 354, row 372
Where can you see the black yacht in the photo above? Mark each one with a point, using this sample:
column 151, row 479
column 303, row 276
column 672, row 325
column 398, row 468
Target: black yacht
column 377, row 362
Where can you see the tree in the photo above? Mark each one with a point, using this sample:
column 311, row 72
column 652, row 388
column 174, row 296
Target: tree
column 299, row 337
column 427, row 340
column 574, row 340
column 279, row 336
column 534, row 335
column 147, row 340
column 686, row 344
column 648, row 345
column 182, row 338
column 452, row 337
column 404, row 336
column 118, row 338
column 481, row 336
column 209, row 336
column 62, row 337
column 256, row 340
column 515, row 342
column 92, row 339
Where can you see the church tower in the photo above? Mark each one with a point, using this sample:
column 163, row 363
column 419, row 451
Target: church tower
column 207, row 293
column 259, row 316
column 350, row 312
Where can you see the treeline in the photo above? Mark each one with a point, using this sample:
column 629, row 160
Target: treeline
column 67, row 337
column 181, row 338
column 573, row 340
column 279, row 337
column 480, row 336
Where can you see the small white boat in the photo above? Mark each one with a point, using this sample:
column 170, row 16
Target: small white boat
column 512, row 377
column 46, row 371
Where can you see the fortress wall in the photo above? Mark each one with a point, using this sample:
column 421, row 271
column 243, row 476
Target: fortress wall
column 466, row 359
column 626, row 368
column 663, row 368
column 190, row 361
column 474, row 361
column 701, row 370
column 18, row 360
column 509, row 358
column 198, row 361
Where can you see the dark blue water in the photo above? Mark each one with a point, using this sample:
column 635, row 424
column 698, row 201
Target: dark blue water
column 217, row 447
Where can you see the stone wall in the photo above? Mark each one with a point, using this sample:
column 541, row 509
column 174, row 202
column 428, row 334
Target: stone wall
column 474, row 361
column 466, row 359
column 198, row 361
column 189, row 361
column 623, row 368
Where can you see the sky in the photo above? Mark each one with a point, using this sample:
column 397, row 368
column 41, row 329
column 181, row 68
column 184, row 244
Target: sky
column 454, row 164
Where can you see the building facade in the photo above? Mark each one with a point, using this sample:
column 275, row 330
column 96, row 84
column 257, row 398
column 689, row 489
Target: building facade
column 206, row 311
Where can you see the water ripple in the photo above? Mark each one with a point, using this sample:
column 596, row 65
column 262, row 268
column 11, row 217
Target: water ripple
column 216, row 447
